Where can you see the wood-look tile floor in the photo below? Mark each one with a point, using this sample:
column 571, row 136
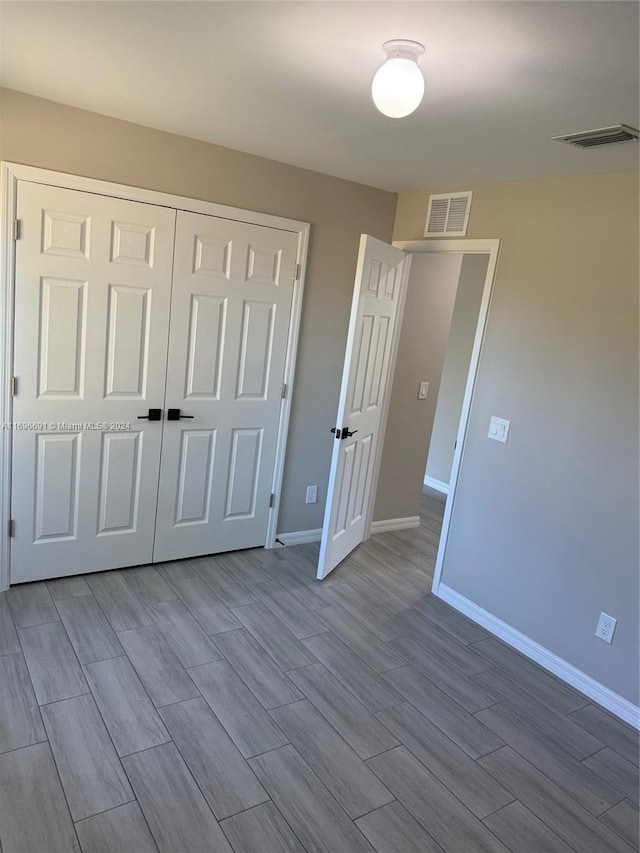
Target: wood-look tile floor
column 231, row 703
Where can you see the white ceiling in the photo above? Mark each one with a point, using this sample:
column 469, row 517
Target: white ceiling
column 291, row 80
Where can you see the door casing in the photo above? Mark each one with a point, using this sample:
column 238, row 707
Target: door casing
column 10, row 174
column 466, row 247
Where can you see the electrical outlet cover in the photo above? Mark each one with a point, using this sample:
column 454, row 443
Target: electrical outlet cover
column 606, row 627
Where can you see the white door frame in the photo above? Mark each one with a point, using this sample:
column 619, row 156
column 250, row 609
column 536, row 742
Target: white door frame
column 466, row 247
column 10, row 174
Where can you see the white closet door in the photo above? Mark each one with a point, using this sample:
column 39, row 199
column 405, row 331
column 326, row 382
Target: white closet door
column 93, row 284
column 376, row 315
column 230, row 312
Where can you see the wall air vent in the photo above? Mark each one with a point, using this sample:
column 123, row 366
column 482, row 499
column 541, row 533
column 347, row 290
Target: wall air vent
column 601, row 136
column 448, row 215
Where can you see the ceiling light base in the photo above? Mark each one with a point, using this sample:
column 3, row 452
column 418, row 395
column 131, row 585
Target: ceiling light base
column 404, row 49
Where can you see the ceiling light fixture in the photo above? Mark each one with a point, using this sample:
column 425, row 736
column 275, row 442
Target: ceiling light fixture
column 398, row 86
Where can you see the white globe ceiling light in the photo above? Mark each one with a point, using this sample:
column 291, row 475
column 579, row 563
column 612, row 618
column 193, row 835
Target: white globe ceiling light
column 398, row 86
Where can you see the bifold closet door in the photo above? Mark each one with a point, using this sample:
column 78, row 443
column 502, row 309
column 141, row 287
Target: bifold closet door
column 92, row 301
column 230, row 313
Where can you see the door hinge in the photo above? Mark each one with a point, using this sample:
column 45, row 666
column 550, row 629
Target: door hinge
column 16, row 229
column 296, row 272
column 12, row 528
column 14, row 386
column 283, row 393
column 272, row 500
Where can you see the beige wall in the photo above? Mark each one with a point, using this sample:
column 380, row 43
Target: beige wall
column 544, row 531
column 455, row 372
column 431, row 296
column 50, row 135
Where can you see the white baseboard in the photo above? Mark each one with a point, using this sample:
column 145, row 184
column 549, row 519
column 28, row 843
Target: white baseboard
column 299, row 537
column 436, row 484
column 613, row 702
column 395, row 524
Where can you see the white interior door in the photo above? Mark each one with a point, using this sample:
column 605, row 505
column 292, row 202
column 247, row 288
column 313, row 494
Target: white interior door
column 378, row 299
column 230, row 314
column 93, row 284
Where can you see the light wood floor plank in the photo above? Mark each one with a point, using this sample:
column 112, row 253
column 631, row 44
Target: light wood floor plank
column 346, row 775
column 129, row 714
column 208, row 610
column 467, row 732
column 181, row 631
column 616, row 770
column 224, row 777
column 286, row 607
column 9, row 643
column 523, row 831
column 249, row 725
column 273, row 636
column 547, row 689
column 392, row 829
column 472, row 785
column 121, row 607
column 357, row 725
column 568, row 773
column 229, row 588
column 120, row 830
column 147, row 584
column 365, row 684
column 624, row 820
column 360, row 639
column 309, row 808
column 90, row 633
column 164, row 677
column 610, row 731
column 20, row 720
column 448, row 679
column 560, row 812
column 68, row 587
column 261, row 830
column 555, row 727
column 440, row 813
column 31, row 604
column 257, row 669
column 53, row 665
column 172, row 804
column 90, row 770
column 34, row 816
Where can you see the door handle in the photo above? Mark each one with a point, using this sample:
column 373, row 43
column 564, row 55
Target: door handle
column 174, row 415
column 345, row 432
column 153, row 415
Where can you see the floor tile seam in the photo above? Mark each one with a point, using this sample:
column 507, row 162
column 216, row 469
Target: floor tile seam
column 319, row 780
column 551, row 782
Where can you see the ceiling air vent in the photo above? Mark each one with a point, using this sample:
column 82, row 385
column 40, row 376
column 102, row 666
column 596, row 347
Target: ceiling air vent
column 448, row 215
column 601, row 136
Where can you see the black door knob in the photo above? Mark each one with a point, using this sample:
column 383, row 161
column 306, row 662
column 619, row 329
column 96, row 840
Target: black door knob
column 153, row 415
column 174, row 415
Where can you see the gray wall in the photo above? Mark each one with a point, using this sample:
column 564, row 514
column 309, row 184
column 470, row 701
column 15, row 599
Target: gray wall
column 431, row 296
column 53, row 136
column 544, row 531
column 456, row 366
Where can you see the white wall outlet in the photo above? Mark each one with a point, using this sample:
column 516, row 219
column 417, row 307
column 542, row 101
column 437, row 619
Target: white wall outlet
column 606, row 627
column 312, row 495
column 423, row 390
column 499, row 429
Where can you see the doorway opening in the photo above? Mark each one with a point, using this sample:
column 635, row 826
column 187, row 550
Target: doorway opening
column 390, row 487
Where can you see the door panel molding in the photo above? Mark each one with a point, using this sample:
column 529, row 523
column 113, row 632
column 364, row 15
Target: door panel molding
column 134, row 249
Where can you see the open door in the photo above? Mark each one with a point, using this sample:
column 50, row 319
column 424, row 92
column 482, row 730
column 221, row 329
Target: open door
column 376, row 311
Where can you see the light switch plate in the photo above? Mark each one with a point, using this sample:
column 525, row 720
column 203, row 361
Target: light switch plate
column 423, row 390
column 499, row 429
